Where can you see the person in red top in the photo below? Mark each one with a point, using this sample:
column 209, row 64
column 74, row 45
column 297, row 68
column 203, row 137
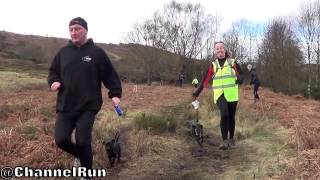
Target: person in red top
column 227, row 109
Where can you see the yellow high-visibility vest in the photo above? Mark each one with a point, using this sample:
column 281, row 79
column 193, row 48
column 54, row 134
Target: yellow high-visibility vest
column 224, row 81
column 195, row 81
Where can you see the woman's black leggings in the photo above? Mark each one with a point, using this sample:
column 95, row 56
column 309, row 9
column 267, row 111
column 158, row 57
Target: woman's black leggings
column 227, row 113
column 255, row 91
column 83, row 123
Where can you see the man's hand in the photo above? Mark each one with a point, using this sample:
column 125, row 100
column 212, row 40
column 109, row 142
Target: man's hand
column 55, row 86
column 115, row 101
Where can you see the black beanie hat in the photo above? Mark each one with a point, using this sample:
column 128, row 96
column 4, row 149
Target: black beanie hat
column 80, row 21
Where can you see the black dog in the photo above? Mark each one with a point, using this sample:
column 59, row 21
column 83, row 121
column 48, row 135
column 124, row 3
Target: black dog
column 197, row 132
column 113, row 149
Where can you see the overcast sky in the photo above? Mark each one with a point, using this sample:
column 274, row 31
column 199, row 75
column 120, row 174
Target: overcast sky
column 109, row 20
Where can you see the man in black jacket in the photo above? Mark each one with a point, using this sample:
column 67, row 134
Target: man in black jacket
column 255, row 81
column 76, row 73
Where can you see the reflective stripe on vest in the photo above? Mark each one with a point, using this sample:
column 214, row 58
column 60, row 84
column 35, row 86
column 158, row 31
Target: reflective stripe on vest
column 224, row 86
column 224, row 81
column 224, row 77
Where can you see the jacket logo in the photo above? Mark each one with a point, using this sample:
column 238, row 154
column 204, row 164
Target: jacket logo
column 86, row 59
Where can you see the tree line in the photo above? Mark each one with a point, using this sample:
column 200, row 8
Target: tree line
column 285, row 50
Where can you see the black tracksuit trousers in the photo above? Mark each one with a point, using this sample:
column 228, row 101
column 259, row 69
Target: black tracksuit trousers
column 83, row 123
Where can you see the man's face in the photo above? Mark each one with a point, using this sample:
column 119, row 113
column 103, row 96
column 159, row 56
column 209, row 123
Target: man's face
column 78, row 34
column 219, row 50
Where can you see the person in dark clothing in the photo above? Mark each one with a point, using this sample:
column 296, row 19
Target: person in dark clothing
column 255, row 81
column 76, row 73
column 181, row 78
column 226, row 74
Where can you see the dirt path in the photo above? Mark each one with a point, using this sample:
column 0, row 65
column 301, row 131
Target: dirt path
column 260, row 149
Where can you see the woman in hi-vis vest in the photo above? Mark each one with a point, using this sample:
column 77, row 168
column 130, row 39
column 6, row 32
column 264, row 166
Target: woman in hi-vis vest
column 225, row 74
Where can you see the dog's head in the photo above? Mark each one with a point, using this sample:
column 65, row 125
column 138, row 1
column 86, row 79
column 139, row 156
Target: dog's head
column 109, row 145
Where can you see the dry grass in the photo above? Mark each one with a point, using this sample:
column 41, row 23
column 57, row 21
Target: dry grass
column 27, row 137
column 136, row 143
column 307, row 133
column 27, row 121
column 36, row 152
column 156, row 122
column 306, row 166
column 301, row 116
column 25, row 113
column 262, row 143
column 144, row 143
column 106, row 125
column 12, row 81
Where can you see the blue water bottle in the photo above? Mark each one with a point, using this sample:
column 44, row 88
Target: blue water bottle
column 118, row 110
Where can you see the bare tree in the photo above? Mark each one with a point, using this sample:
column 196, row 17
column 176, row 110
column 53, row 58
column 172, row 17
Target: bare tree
column 254, row 31
column 307, row 27
column 146, row 34
column 280, row 57
column 235, row 39
column 241, row 40
column 181, row 28
column 316, row 5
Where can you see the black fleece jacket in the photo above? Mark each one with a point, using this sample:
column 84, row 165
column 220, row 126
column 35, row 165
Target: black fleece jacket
column 254, row 77
column 80, row 70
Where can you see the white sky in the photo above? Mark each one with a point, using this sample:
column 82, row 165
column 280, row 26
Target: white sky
column 109, row 20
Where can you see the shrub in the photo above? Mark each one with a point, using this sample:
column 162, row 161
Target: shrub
column 156, row 123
